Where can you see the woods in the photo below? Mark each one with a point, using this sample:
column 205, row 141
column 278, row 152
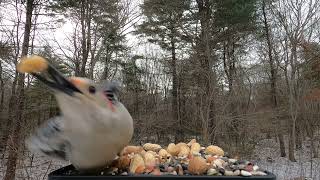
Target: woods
column 226, row 72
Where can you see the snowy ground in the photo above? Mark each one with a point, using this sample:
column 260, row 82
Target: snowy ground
column 305, row 167
column 266, row 155
column 34, row 167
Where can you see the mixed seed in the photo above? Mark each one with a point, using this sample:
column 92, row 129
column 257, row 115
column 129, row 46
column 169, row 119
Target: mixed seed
column 180, row 159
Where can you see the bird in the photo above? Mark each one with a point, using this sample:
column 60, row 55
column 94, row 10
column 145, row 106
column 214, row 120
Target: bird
column 93, row 125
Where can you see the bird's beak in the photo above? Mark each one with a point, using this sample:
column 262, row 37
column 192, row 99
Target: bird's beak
column 57, row 81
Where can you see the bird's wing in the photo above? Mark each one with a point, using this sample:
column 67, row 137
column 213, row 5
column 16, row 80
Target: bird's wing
column 49, row 139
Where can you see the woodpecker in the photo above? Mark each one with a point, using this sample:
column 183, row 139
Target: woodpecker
column 93, row 126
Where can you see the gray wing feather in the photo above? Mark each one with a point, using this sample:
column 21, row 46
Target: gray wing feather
column 49, row 139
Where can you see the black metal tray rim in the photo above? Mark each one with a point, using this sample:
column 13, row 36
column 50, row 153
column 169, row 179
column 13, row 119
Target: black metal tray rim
column 58, row 175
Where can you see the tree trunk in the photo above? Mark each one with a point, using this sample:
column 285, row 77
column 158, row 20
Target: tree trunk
column 83, row 38
column 271, row 60
column 310, row 133
column 291, row 144
column 11, row 112
column 14, row 143
column 293, row 101
column 229, row 65
column 92, row 65
column 107, row 60
column 86, row 7
column 8, row 125
column 298, row 137
column 273, row 78
column 314, row 149
column 282, row 146
column 77, row 67
column 175, row 104
column 1, row 91
column 2, row 127
column 207, row 77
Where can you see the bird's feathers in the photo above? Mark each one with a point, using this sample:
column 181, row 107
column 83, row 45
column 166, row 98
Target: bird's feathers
column 92, row 129
column 49, row 139
column 111, row 90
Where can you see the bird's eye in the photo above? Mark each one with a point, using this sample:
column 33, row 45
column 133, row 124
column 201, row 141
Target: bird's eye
column 92, row 89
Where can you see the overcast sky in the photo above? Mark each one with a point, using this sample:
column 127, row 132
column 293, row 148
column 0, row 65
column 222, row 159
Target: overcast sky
column 48, row 30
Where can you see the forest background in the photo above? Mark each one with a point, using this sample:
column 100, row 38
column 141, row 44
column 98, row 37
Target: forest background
column 229, row 72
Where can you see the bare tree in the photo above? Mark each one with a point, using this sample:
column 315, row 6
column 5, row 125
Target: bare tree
column 273, row 75
column 14, row 142
column 295, row 18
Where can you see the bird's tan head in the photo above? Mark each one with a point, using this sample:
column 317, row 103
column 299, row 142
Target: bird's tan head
column 103, row 94
column 82, row 88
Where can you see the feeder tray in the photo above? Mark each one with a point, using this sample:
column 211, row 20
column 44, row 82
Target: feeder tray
column 67, row 173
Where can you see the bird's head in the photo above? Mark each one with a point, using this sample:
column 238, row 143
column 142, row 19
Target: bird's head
column 73, row 89
column 86, row 91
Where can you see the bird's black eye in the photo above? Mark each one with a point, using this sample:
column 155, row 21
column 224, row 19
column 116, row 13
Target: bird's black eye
column 92, row 89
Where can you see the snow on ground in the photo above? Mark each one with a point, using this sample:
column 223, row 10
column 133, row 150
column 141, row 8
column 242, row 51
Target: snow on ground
column 266, row 155
column 35, row 167
column 305, row 167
